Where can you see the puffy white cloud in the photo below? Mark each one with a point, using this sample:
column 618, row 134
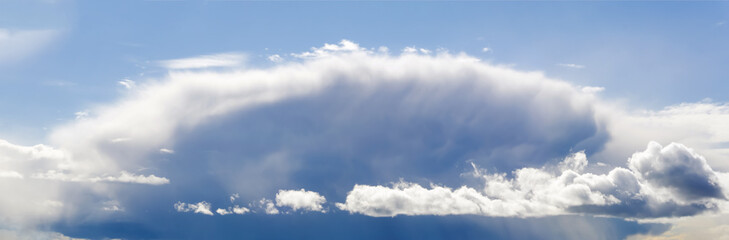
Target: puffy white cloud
column 699, row 125
column 268, row 206
column 677, row 168
column 240, row 210
column 575, row 162
column 222, row 211
column 275, row 58
column 344, row 46
column 201, row 207
column 205, row 61
column 693, row 187
column 300, row 199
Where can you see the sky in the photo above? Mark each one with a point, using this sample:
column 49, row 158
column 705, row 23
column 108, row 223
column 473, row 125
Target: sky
column 364, row 119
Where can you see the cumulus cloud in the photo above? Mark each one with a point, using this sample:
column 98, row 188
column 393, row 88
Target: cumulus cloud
column 341, row 114
column 679, row 169
column 300, row 199
column 205, row 61
column 201, row 207
column 699, row 125
column 692, row 187
column 275, row 58
column 268, row 206
column 344, row 46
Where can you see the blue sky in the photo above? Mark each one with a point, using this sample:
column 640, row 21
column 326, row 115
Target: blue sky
column 195, row 119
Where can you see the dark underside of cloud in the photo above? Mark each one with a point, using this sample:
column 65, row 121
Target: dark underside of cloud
column 345, row 226
column 342, row 137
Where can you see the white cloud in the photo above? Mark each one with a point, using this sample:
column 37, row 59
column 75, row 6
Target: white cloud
column 300, row 199
column 167, row 151
column 268, row 206
column 575, row 162
column 592, row 90
column 240, row 210
column 124, row 177
column 222, row 212
column 662, row 182
column 571, row 65
column 81, row 114
column 201, row 207
column 275, row 58
column 112, row 206
column 438, row 100
column 344, row 46
column 699, row 125
column 485, row 49
column 205, row 61
column 409, row 50
column 128, row 84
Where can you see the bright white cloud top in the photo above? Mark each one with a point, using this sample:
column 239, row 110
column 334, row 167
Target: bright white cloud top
column 300, row 200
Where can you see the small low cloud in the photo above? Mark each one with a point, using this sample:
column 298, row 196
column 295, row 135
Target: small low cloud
column 268, row 206
column 275, row 58
column 344, row 46
column 300, row 200
column 485, row 49
column 201, row 207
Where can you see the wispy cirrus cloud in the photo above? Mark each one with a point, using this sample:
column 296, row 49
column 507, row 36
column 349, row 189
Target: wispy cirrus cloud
column 205, row 61
column 17, row 44
column 571, row 65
